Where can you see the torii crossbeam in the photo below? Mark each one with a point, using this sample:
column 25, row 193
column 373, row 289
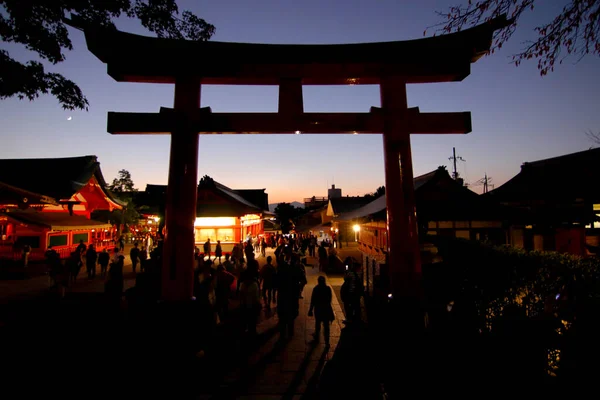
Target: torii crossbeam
column 188, row 65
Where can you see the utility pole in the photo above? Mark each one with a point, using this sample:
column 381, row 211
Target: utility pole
column 485, row 182
column 454, row 158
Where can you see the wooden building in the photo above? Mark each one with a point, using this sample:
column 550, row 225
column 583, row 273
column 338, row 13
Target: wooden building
column 49, row 202
column 341, row 228
column 555, row 202
column 222, row 213
column 444, row 207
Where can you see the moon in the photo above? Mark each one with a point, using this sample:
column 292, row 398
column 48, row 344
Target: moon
column 69, row 118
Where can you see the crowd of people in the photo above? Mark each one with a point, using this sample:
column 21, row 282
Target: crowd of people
column 65, row 274
column 276, row 287
column 279, row 283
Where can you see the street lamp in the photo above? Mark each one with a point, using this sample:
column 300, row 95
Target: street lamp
column 356, row 229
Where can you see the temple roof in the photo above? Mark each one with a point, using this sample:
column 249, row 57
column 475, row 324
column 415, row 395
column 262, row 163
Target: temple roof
column 255, row 196
column 56, row 221
column 229, row 202
column 437, row 196
column 340, row 205
column 56, row 178
column 564, row 178
column 371, row 208
column 135, row 58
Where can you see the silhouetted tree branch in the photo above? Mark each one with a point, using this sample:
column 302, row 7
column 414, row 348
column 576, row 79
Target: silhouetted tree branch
column 377, row 193
column 593, row 136
column 575, row 30
column 38, row 25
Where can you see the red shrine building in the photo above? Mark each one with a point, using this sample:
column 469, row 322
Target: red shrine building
column 224, row 214
column 49, row 202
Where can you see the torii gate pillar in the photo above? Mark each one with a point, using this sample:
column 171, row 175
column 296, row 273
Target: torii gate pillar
column 177, row 272
column 403, row 240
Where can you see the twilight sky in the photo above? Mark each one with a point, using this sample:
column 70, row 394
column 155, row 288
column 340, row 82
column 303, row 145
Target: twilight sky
column 517, row 115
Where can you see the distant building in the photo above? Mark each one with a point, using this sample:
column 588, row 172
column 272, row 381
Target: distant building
column 315, row 202
column 334, row 193
column 318, row 202
column 317, row 220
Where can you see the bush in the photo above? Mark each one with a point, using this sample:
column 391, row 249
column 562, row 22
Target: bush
column 541, row 295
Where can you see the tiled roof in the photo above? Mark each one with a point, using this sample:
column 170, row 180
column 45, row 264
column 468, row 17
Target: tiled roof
column 234, row 195
column 566, row 177
column 238, row 204
column 255, row 196
column 342, row 205
column 58, row 178
column 437, row 195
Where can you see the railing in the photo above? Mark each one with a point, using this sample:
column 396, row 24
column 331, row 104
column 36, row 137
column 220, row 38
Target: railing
column 315, row 200
column 7, row 251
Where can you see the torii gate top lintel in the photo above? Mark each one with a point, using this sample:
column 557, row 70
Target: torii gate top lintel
column 135, row 58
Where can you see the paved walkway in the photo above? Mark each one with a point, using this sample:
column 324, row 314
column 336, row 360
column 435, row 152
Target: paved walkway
column 288, row 370
column 261, row 370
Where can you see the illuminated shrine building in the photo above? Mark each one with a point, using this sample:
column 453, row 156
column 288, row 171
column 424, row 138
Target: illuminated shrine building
column 50, row 201
column 227, row 215
column 224, row 214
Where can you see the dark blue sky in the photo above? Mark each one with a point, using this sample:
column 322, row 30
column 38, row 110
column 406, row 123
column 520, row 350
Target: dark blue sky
column 518, row 116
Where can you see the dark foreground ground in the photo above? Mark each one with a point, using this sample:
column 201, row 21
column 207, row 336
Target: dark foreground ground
column 86, row 346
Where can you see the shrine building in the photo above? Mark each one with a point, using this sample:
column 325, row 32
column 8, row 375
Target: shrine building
column 222, row 213
column 49, row 202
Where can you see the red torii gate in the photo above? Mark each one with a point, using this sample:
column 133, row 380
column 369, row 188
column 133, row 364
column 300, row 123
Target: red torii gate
column 189, row 64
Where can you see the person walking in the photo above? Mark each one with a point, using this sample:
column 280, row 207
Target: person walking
column 320, row 307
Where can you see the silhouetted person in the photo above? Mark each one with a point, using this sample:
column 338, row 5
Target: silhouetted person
column 114, row 284
column 250, row 301
column 207, row 248
column 218, row 251
column 222, row 290
column 134, row 254
column 81, row 247
column 74, row 265
column 103, row 260
column 267, row 276
column 320, row 303
column 91, row 257
column 288, row 292
column 352, row 293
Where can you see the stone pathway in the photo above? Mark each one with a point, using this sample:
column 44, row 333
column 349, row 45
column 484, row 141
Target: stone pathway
column 288, row 370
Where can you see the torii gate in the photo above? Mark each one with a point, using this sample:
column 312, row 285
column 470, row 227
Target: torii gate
column 190, row 64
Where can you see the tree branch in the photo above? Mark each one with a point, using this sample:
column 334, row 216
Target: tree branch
column 30, row 80
column 576, row 29
column 38, row 25
column 593, row 136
